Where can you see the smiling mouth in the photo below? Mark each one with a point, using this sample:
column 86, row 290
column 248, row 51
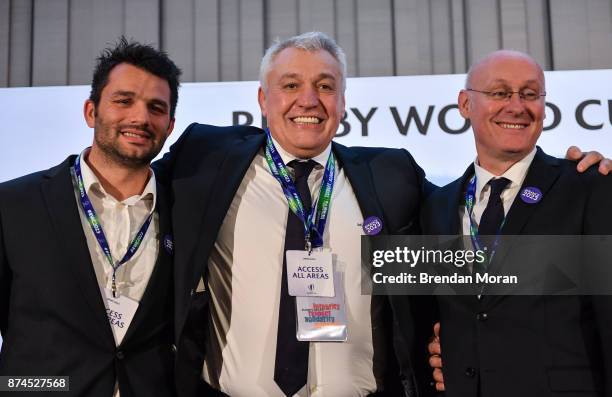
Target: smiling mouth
column 136, row 134
column 512, row 126
column 307, row 120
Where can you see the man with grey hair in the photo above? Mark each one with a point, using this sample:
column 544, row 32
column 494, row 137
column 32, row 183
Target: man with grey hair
column 310, row 41
column 278, row 278
column 243, row 214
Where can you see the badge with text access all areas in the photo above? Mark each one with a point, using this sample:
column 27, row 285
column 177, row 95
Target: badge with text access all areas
column 120, row 312
column 310, row 274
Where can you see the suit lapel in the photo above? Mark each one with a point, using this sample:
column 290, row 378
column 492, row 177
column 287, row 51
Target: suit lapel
column 223, row 184
column 542, row 174
column 191, row 197
column 230, row 176
column 59, row 196
column 359, row 174
column 158, row 287
column 452, row 225
column 457, row 199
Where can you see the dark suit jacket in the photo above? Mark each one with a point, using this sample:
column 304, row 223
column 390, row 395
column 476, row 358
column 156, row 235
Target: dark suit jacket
column 52, row 315
column 529, row 345
column 205, row 168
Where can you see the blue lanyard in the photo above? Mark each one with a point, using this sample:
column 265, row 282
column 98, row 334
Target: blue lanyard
column 96, row 226
column 316, row 218
column 470, row 199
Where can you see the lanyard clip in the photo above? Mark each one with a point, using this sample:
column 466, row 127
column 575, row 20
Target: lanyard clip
column 308, row 246
column 114, row 286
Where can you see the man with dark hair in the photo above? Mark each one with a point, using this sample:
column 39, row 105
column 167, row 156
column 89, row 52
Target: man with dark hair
column 142, row 56
column 86, row 248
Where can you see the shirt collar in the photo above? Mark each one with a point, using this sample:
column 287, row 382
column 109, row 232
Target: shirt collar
column 516, row 174
column 92, row 185
column 320, row 159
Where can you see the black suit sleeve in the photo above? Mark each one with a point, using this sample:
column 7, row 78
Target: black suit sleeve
column 598, row 221
column 164, row 167
column 598, row 216
column 5, row 283
column 413, row 319
column 427, row 187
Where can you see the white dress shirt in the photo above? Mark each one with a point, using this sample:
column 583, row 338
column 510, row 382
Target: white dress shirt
column 245, row 269
column 516, row 174
column 121, row 221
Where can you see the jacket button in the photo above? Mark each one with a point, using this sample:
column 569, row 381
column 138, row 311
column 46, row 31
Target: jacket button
column 120, row 355
column 482, row 316
column 470, row 372
column 192, row 292
column 173, row 347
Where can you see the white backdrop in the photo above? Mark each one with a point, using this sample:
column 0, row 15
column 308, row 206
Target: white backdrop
column 42, row 125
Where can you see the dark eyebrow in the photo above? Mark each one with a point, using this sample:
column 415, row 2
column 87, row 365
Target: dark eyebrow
column 153, row 101
column 123, row 93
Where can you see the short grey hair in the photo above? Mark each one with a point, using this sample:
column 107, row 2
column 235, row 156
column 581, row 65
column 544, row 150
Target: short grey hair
column 309, row 41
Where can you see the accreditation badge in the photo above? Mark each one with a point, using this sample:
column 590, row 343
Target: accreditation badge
column 120, row 312
column 323, row 319
column 310, row 273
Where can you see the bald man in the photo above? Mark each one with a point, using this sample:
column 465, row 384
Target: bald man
column 520, row 345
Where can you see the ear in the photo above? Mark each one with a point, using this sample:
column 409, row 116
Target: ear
column 89, row 112
column 261, row 98
column 342, row 106
column 170, row 127
column 463, row 101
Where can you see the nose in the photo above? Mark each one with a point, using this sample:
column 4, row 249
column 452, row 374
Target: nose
column 515, row 104
column 308, row 97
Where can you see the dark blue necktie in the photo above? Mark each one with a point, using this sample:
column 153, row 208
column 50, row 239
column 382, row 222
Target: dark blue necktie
column 493, row 215
column 491, row 219
column 291, row 365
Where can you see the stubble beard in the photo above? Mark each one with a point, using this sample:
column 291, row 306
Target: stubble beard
column 107, row 142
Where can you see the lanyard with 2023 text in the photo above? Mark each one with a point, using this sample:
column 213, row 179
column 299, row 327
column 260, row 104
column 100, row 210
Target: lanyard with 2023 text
column 316, row 218
column 470, row 198
column 96, row 226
